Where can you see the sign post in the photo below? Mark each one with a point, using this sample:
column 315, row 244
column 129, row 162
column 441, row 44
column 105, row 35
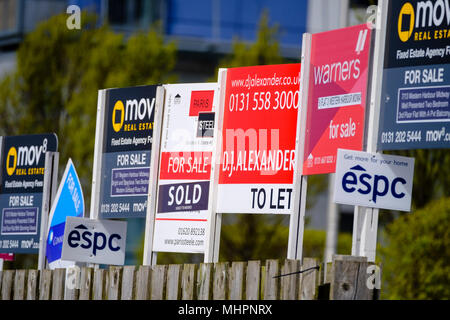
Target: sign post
column 48, row 194
column 336, row 96
column 68, row 202
column 123, row 152
column 149, row 257
column 186, row 164
column 258, row 147
column 23, row 168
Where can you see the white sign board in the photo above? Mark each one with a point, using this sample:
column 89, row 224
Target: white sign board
column 94, row 241
column 186, row 161
column 373, row 180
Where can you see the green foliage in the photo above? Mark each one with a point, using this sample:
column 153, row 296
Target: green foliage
column 59, row 72
column 248, row 236
column 416, row 257
column 265, row 50
column 256, row 238
column 431, row 175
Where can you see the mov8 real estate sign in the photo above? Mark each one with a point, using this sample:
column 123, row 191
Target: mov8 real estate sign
column 186, row 161
column 415, row 101
column 257, row 165
column 126, row 151
column 22, row 181
column 339, row 68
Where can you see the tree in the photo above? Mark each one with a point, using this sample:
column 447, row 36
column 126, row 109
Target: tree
column 55, row 85
column 248, row 236
column 415, row 259
column 59, row 72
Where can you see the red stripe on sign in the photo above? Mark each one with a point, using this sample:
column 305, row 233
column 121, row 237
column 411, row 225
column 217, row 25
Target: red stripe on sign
column 201, row 101
column 185, row 166
column 173, row 219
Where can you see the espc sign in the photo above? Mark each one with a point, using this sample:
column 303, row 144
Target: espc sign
column 373, row 180
column 94, row 241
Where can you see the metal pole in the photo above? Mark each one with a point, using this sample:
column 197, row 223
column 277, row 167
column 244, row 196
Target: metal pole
column 365, row 223
column 149, row 257
column 48, row 194
column 97, row 165
column 332, row 222
column 214, row 224
column 333, row 208
column 297, row 219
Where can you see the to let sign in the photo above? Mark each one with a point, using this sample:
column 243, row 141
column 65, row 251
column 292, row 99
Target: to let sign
column 259, row 139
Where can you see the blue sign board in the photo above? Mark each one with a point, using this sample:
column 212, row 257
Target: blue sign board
column 125, row 158
column 69, row 202
column 21, row 186
column 415, row 104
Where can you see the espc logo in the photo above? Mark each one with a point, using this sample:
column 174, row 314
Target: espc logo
column 428, row 14
column 132, row 111
column 378, row 185
column 98, row 241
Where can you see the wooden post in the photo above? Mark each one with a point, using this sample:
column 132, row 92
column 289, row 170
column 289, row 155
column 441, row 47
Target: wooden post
column 45, row 284
column 114, row 279
column 58, row 282
column 173, row 291
column 158, row 285
column 128, row 283
column 309, row 280
column 19, row 285
column 271, row 284
column 253, row 281
column 204, row 281
column 32, row 284
column 188, row 281
column 99, row 284
column 348, row 278
column 289, row 282
column 85, row 284
column 236, row 283
column 220, row 281
column 143, row 283
column 7, row 284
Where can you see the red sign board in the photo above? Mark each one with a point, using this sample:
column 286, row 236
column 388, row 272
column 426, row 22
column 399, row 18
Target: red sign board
column 259, row 139
column 338, row 79
column 7, row 256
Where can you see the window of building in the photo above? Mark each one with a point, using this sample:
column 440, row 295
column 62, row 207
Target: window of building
column 135, row 14
column 8, row 16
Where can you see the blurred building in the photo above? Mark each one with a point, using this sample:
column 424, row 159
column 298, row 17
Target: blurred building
column 204, row 31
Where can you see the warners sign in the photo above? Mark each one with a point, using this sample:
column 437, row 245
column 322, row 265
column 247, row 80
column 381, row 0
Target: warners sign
column 133, row 110
column 429, row 20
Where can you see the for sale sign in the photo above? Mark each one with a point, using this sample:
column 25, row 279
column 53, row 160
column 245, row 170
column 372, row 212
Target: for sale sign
column 415, row 98
column 126, row 150
column 339, row 67
column 184, row 185
column 259, row 131
column 22, row 182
